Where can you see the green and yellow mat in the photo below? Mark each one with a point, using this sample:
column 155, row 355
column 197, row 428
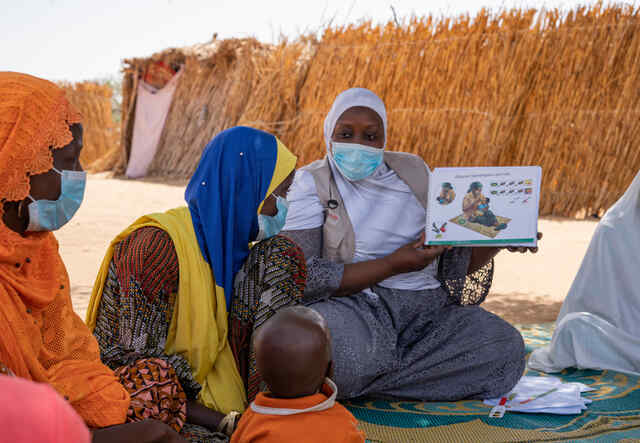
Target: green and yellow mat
column 487, row 231
column 614, row 415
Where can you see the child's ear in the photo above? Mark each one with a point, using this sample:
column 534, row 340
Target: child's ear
column 329, row 373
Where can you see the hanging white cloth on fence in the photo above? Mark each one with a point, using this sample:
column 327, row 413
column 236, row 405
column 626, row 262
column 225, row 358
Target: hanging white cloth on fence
column 152, row 108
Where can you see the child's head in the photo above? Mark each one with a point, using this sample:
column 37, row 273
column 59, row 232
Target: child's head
column 484, row 203
column 293, row 352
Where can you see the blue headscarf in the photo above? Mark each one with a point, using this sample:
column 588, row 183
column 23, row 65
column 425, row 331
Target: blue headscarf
column 238, row 169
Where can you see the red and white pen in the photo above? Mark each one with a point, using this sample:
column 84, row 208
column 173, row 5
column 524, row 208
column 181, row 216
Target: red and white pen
column 499, row 410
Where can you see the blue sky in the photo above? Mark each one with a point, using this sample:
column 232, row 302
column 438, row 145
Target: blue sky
column 78, row 40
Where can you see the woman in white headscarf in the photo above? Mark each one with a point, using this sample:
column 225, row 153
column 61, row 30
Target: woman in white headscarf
column 599, row 324
column 403, row 317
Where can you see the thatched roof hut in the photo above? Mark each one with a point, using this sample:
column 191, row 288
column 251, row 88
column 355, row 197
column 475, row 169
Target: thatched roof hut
column 224, row 83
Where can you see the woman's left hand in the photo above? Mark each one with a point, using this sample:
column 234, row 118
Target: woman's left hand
column 523, row 250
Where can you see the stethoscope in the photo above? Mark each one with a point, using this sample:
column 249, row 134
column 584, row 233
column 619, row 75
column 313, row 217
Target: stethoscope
column 331, row 203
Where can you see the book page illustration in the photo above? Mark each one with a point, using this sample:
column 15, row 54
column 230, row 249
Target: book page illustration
column 493, row 205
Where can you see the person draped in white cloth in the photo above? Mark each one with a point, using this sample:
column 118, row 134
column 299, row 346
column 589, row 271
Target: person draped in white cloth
column 599, row 323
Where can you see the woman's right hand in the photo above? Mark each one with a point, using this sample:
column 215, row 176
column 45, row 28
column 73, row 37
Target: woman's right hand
column 147, row 431
column 414, row 257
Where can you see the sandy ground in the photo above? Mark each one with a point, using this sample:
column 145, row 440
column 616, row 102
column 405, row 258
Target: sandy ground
column 526, row 289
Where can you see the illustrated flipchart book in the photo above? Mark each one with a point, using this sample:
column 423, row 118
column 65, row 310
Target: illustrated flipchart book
column 483, row 206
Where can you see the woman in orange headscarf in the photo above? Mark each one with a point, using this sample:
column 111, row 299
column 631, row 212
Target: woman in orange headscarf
column 41, row 187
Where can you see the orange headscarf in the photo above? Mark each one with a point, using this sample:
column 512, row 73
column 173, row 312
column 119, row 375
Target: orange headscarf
column 41, row 338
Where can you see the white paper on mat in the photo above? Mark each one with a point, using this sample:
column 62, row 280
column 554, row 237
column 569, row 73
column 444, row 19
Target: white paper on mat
column 566, row 399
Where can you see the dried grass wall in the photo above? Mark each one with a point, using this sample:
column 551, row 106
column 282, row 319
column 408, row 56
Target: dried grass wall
column 517, row 88
column 101, row 134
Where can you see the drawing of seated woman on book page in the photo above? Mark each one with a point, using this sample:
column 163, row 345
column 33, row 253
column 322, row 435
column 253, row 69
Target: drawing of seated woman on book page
column 477, row 215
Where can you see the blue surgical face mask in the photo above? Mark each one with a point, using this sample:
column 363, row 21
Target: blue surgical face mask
column 271, row 225
column 51, row 215
column 356, row 161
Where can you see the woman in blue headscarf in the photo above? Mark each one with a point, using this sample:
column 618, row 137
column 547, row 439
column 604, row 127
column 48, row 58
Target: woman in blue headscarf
column 185, row 290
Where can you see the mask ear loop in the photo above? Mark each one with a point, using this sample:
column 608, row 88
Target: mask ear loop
column 276, row 196
column 29, row 195
column 33, row 200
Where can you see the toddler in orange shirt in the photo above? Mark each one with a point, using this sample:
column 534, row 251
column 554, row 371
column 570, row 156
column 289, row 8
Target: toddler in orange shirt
column 293, row 355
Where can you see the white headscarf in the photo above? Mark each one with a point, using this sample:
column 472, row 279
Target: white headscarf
column 599, row 324
column 373, row 203
column 350, row 99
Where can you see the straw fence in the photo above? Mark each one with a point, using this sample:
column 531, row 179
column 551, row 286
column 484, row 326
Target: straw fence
column 516, row 88
column 100, row 133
